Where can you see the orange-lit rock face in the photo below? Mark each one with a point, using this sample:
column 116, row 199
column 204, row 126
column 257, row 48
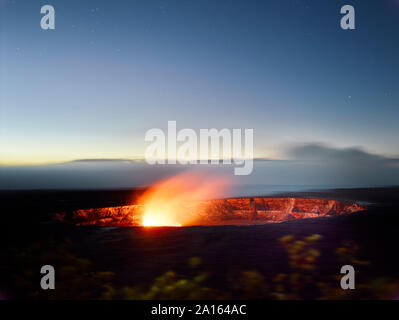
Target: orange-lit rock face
column 186, row 199
column 221, row 212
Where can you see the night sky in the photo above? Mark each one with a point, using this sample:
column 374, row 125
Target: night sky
column 111, row 70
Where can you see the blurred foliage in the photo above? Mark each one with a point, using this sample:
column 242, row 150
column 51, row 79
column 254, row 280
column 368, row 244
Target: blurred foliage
column 250, row 284
column 303, row 257
column 75, row 278
column 20, row 272
column 348, row 252
column 171, row 286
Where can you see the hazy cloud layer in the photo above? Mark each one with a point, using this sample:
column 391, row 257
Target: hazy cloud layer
column 309, row 165
column 322, row 152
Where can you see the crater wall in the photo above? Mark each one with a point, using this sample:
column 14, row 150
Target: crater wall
column 255, row 210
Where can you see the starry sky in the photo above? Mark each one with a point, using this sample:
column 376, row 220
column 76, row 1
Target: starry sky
column 111, row 70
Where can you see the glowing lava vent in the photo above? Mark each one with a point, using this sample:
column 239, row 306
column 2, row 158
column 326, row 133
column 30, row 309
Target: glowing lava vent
column 175, row 201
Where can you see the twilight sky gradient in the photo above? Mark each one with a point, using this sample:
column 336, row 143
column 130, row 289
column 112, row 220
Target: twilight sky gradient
column 113, row 69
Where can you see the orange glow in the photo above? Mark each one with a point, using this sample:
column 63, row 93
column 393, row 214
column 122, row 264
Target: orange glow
column 173, row 202
column 158, row 219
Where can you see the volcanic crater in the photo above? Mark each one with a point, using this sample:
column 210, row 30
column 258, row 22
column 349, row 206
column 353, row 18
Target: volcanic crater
column 231, row 211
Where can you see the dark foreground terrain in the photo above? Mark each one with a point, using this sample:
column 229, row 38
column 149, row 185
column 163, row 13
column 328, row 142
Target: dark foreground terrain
column 288, row 260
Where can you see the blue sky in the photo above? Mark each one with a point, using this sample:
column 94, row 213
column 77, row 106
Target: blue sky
column 113, row 69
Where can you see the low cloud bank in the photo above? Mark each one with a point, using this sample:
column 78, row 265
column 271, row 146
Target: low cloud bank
column 309, row 165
